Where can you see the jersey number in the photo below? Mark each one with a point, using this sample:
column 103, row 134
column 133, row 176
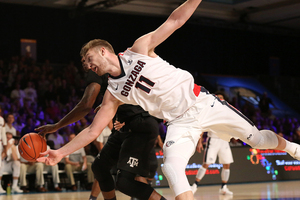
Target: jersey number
column 143, row 87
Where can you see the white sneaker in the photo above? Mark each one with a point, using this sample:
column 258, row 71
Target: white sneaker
column 16, row 189
column 225, row 191
column 2, row 191
column 194, row 188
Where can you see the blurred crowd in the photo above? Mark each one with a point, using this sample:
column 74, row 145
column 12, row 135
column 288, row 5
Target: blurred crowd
column 36, row 94
column 40, row 94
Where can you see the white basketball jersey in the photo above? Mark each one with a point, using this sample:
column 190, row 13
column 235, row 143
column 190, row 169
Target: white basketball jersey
column 161, row 89
column 212, row 135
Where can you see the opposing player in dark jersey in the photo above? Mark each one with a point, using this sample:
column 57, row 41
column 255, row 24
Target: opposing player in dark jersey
column 132, row 145
column 129, row 149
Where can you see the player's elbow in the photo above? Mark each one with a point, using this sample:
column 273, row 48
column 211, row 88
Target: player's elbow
column 85, row 106
column 93, row 133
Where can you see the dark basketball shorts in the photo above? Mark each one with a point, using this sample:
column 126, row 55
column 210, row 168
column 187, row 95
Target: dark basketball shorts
column 130, row 150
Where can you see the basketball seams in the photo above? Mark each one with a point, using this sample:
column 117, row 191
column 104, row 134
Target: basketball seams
column 23, row 150
column 32, row 146
column 42, row 144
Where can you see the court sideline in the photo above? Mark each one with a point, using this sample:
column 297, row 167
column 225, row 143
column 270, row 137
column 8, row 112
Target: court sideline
column 283, row 190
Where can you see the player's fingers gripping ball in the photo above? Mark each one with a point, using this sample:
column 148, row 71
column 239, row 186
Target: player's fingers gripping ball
column 31, row 145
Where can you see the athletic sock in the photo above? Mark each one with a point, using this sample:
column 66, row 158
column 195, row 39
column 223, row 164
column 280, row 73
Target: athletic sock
column 223, row 185
column 196, row 182
column 15, row 183
column 92, row 198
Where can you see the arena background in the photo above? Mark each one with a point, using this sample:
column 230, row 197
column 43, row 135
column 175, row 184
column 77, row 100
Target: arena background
column 197, row 48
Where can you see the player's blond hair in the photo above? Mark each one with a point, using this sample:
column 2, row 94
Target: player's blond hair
column 96, row 43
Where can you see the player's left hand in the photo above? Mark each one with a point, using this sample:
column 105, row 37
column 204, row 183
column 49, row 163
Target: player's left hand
column 52, row 159
column 118, row 125
column 199, row 147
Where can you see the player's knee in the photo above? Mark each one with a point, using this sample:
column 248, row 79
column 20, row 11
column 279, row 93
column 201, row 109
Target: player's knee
column 175, row 173
column 100, row 167
column 266, row 139
column 127, row 184
column 170, row 173
column 95, row 166
column 102, row 173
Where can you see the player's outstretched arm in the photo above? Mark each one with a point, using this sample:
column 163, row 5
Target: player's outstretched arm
column 147, row 43
column 79, row 111
column 103, row 117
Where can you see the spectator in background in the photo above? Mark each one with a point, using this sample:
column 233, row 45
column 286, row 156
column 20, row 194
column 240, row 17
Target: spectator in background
column 57, row 139
column 66, row 132
column 13, row 70
column 55, row 175
column 11, row 164
column 32, row 167
column 19, row 125
column 77, row 161
column 30, row 92
column 264, row 105
column 40, row 113
column 50, row 95
column 9, row 124
column 17, row 94
column 80, row 125
column 63, row 93
column 52, row 110
column 5, row 104
column 71, row 73
column 74, row 98
column 43, row 85
column 29, row 126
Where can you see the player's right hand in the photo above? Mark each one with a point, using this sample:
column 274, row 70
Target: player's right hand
column 48, row 128
column 52, row 159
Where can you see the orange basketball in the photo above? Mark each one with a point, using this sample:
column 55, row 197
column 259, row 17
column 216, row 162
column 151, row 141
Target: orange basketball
column 31, row 145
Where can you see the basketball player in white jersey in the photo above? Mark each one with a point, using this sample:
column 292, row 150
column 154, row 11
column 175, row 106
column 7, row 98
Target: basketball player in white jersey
column 140, row 77
column 215, row 147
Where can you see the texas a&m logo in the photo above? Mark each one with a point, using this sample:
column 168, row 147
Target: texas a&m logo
column 133, row 162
